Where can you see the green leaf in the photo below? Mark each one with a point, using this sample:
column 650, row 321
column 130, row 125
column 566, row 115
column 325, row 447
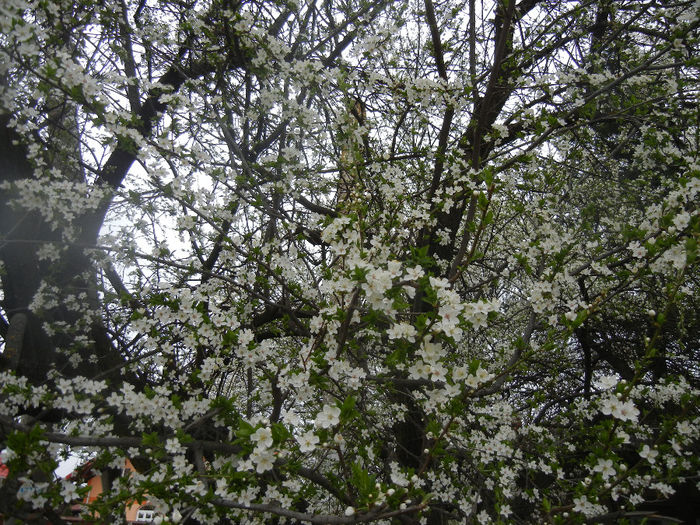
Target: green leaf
column 150, row 439
column 487, row 175
column 362, row 481
column 348, row 407
column 691, row 250
column 280, row 433
column 245, row 430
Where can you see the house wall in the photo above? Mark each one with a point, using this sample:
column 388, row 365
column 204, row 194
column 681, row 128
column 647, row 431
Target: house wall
column 96, row 488
column 95, row 484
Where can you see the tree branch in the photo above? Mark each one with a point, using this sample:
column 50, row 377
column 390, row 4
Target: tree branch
column 435, row 35
column 119, row 442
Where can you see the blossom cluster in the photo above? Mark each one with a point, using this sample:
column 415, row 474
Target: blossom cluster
column 297, row 265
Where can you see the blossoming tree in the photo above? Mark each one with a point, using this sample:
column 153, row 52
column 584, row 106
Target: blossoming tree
column 336, row 262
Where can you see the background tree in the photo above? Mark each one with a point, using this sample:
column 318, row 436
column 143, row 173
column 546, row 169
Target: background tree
column 359, row 261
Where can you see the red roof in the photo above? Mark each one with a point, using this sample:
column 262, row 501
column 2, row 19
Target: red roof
column 81, row 472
